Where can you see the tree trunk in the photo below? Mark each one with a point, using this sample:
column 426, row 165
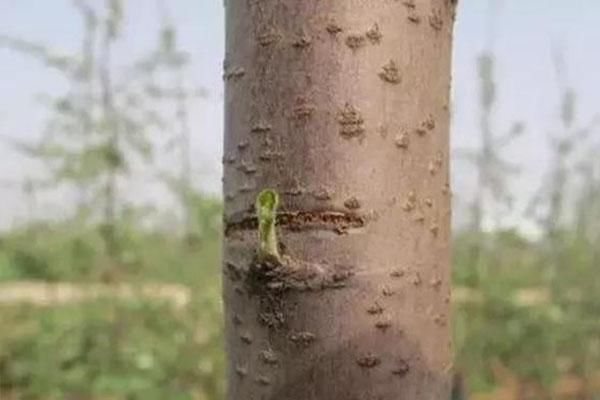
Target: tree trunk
column 342, row 108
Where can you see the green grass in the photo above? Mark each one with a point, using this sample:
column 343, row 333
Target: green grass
column 149, row 349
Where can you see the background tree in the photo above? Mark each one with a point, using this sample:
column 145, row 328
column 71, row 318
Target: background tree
column 115, row 113
column 96, row 128
column 165, row 71
column 102, row 131
column 567, row 144
column 342, row 108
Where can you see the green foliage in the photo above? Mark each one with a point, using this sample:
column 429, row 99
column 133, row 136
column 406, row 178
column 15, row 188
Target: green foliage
column 134, row 348
column 509, row 310
column 75, row 251
column 39, row 252
column 528, row 305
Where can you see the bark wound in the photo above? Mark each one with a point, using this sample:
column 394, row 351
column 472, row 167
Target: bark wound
column 336, row 221
column 270, row 281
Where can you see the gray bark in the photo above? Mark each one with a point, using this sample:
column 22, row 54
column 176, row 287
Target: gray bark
column 342, row 107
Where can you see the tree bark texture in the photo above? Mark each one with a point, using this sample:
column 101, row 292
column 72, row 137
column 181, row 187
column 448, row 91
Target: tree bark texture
column 341, row 106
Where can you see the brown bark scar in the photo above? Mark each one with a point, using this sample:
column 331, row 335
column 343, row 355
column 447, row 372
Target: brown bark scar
column 336, row 221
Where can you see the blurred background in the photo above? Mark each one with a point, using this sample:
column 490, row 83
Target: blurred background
column 110, row 163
